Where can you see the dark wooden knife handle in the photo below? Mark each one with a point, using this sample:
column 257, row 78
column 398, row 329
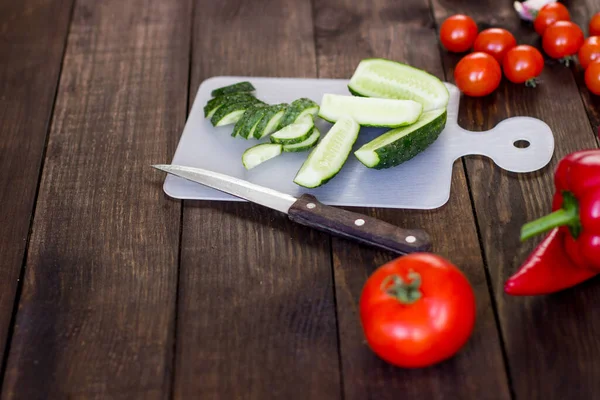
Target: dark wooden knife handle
column 308, row 211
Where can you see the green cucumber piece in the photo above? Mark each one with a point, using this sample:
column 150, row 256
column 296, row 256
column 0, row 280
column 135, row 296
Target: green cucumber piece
column 249, row 119
column 235, row 88
column 268, row 124
column 231, row 113
column 213, row 104
column 399, row 145
column 260, row 153
column 305, row 145
column 328, row 157
column 389, row 113
column 294, row 133
column 378, row 77
column 297, row 110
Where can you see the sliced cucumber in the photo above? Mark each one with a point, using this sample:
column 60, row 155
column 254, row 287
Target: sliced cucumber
column 378, row 77
column 213, row 104
column 235, row 88
column 328, row 158
column 297, row 110
column 389, row 113
column 249, row 119
column 230, row 113
column 268, row 124
column 399, row 145
column 305, row 145
column 260, row 153
column 294, row 133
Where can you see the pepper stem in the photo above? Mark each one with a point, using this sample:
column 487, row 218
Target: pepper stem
column 568, row 215
column 404, row 292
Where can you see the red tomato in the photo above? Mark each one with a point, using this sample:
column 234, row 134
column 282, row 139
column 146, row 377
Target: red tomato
column 592, row 77
column 417, row 310
column 590, row 51
column 594, row 26
column 477, row 74
column 548, row 15
column 562, row 39
column 523, row 64
column 458, row 33
column 495, row 41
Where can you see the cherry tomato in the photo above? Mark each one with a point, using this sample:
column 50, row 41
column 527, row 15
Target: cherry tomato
column 590, row 51
column 594, row 26
column 592, row 77
column 522, row 64
column 477, row 74
column 495, row 41
column 417, row 310
column 562, row 39
column 458, row 33
column 548, row 15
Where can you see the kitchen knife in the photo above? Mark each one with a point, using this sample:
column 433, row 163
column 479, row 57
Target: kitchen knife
column 307, row 210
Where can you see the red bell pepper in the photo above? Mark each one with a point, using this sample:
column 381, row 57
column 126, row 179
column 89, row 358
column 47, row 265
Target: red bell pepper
column 571, row 253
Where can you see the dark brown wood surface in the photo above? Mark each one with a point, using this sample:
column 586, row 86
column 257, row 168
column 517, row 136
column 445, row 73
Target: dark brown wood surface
column 31, row 49
column 346, row 32
column 256, row 315
column 130, row 294
column 97, row 312
column 549, row 339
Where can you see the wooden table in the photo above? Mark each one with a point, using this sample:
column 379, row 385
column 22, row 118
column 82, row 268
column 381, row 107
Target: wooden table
column 110, row 289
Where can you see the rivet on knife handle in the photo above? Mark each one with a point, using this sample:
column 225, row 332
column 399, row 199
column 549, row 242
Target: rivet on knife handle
column 308, row 211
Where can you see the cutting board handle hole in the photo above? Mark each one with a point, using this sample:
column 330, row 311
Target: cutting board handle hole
column 522, row 144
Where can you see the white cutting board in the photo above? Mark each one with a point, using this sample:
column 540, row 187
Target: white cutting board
column 420, row 183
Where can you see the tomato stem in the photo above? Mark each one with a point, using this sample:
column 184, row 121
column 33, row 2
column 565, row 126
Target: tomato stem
column 566, row 60
column 404, row 292
column 531, row 82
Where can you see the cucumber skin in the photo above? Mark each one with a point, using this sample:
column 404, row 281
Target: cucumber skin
column 216, row 102
column 234, row 88
column 270, row 112
column 294, row 148
column 224, row 110
column 408, row 147
column 294, row 110
column 245, row 124
column 373, row 126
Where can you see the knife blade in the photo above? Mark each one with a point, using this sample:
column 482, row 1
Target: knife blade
column 308, row 211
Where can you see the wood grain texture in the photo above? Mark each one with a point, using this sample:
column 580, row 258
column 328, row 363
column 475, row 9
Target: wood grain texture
column 551, row 341
column 31, row 49
column 581, row 13
column 346, row 32
column 256, row 305
column 359, row 227
column 96, row 317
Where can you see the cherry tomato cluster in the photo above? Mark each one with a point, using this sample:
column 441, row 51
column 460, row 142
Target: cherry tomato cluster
column 494, row 50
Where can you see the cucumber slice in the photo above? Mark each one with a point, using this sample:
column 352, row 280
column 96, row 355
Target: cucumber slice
column 260, row 153
column 378, row 77
column 389, row 113
column 297, row 110
column 213, row 104
column 399, row 145
column 305, row 145
column 268, row 124
column 231, row 113
column 294, row 133
column 235, row 88
column 249, row 120
column 328, row 158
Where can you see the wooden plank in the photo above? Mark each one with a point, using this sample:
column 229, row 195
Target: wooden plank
column 31, row 51
column 346, row 32
column 581, row 13
column 97, row 313
column 256, row 307
column 551, row 341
